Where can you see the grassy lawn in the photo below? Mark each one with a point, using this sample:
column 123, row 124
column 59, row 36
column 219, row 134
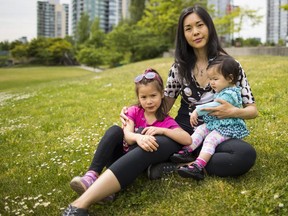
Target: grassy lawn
column 51, row 119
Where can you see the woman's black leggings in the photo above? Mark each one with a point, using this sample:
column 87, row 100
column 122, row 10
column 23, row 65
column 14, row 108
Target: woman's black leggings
column 233, row 157
column 127, row 166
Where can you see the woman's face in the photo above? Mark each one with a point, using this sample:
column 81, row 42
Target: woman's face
column 195, row 31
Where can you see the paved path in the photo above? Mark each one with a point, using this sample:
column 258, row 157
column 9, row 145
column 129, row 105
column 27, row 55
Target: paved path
column 96, row 70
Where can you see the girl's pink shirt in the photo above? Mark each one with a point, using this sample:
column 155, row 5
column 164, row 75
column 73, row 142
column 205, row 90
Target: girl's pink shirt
column 136, row 114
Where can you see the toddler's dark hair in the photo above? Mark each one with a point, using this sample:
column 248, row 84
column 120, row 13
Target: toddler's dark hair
column 227, row 66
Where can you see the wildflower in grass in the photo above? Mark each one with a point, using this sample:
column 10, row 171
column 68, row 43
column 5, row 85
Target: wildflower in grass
column 36, row 205
column 6, row 207
column 45, row 204
column 281, row 205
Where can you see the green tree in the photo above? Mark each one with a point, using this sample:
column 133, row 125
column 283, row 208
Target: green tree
column 15, row 43
column 20, row 53
column 60, row 51
column 225, row 24
column 246, row 16
column 161, row 17
column 90, row 57
column 4, row 45
column 136, row 10
column 233, row 22
column 251, row 42
column 285, row 7
column 111, row 57
column 97, row 35
column 83, row 29
column 121, row 39
column 50, row 51
column 37, row 50
column 135, row 43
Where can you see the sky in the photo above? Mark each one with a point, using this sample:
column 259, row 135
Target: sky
column 18, row 18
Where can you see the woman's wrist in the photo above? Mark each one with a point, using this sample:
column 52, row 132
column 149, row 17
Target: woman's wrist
column 248, row 112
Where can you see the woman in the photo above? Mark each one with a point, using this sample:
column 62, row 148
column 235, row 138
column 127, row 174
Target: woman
column 223, row 73
column 196, row 44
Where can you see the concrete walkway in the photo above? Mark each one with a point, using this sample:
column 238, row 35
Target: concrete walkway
column 96, row 70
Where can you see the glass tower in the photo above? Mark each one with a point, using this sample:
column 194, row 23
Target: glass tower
column 277, row 21
column 109, row 12
column 52, row 19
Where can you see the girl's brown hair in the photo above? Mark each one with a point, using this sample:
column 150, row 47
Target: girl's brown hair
column 158, row 83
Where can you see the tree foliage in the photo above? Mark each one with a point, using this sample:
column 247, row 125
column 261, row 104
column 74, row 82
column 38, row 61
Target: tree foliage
column 4, row 45
column 285, row 7
column 83, row 29
column 59, row 51
column 97, row 35
column 151, row 32
column 20, row 53
column 136, row 10
column 135, row 42
column 90, row 57
column 47, row 51
column 161, row 17
column 233, row 22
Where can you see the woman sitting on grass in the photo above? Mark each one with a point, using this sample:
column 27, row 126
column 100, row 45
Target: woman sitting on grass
column 196, row 44
column 223, row 73
column 140, row 149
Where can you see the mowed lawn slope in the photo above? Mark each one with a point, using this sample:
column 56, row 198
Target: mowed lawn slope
column 51, row 119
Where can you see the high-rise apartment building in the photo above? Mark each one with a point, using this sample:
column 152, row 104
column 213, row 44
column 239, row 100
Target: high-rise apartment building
column 125, row 9
column 52, row 19
column 222, row 8
column 277, row 21
column 109, row 12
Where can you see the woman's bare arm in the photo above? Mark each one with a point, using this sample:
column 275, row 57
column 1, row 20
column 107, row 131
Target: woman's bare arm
column 169, row 103
column 226, row 110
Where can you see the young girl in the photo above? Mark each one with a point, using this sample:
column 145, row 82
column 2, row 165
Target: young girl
column 141, row 149
column 223, row 73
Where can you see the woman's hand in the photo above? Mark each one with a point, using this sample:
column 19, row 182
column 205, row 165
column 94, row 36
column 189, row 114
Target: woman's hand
column 225, row 110
column 123, row 116
column 147, row 143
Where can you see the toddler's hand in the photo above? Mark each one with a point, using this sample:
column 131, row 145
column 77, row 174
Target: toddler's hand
column 194, row 118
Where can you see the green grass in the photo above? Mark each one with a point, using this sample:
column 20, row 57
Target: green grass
column 51, row 119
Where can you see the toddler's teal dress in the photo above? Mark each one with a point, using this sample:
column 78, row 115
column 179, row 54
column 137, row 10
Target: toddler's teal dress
column 229, row 127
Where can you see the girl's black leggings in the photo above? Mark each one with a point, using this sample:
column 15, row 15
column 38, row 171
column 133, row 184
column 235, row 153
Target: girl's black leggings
column 127, row 166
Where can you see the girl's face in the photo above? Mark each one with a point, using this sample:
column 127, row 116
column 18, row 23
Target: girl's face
column 217, row 80
column 195, row 31
column 149, row 97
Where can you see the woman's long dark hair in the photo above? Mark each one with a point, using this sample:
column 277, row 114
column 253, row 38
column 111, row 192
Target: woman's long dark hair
column 184, row 53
